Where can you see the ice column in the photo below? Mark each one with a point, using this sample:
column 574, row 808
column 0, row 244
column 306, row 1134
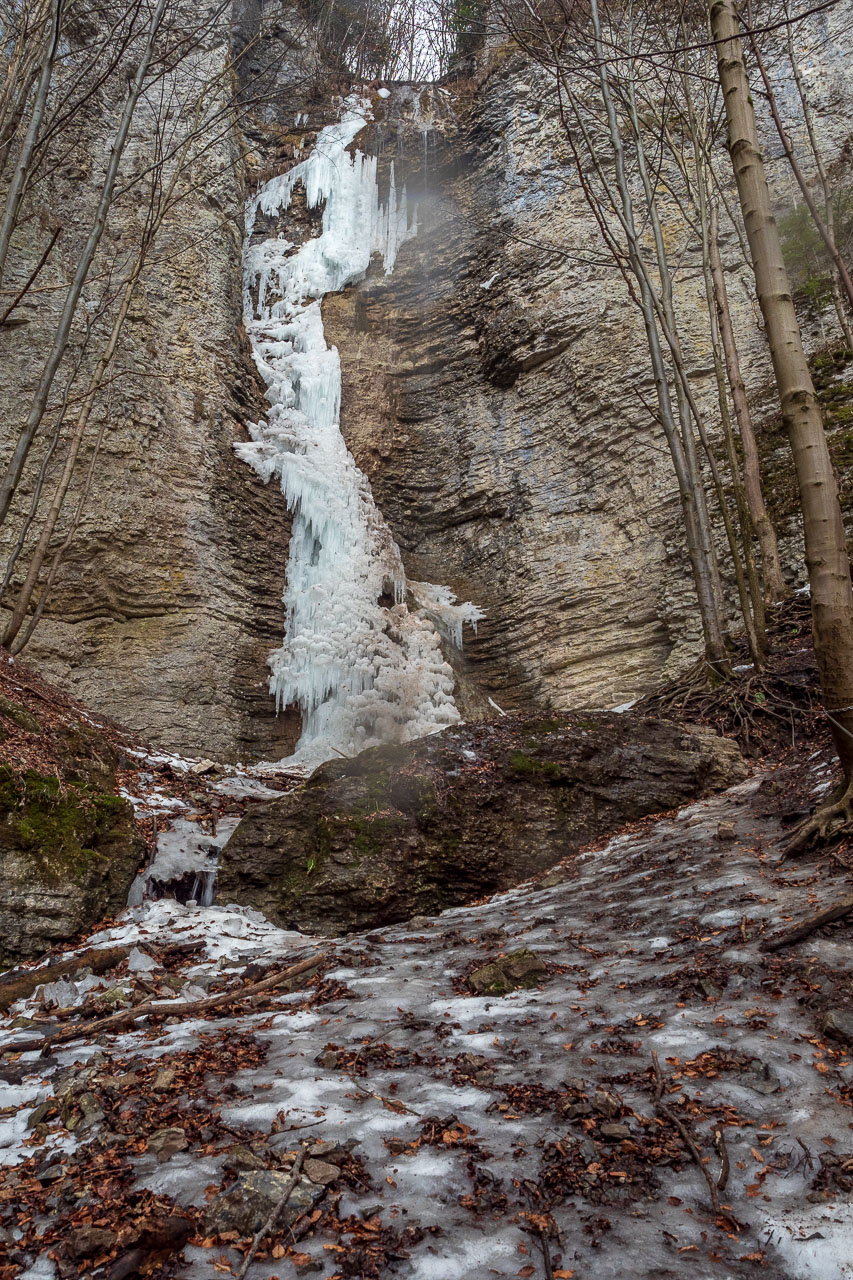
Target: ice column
column 362, row 667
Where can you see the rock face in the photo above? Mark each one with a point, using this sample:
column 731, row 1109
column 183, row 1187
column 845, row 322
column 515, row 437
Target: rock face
column 493, row 392
column 416, row 829
column 168, row 600
column 68, row 846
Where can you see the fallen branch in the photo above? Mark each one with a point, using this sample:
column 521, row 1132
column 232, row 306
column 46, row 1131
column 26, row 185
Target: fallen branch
column 184, row 1008
column 843, row 907
column 20, row 983
column 269, row 1225
column 673, row 1119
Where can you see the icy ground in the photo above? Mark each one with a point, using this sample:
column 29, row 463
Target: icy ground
column 495, row 1130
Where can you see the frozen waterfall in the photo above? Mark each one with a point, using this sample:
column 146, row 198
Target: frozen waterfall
column 363, row 668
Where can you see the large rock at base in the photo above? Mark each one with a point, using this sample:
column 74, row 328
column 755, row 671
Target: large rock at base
column 399, row 831
column 69, row 849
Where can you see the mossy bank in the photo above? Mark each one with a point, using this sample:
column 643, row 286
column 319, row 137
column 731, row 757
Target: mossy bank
column 68, row 845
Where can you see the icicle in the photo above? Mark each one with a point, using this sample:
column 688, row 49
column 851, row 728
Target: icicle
column 362, row 670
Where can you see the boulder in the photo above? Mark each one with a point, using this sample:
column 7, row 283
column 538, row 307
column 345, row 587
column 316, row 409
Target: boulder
column 508, row 973
column 407, row 830
column 246, row 1205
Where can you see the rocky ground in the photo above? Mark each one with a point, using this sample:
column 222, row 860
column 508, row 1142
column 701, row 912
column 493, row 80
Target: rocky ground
column 611, row 1070
column 603, row 1072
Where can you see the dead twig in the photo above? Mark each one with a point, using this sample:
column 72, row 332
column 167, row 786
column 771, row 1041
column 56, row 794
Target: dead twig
column 269, row 1225
column 673, row 1119
column 837, row 911
column 723, row 1153
column 390, row 1104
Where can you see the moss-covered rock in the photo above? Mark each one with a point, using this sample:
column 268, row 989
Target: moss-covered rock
column 512, row 972
column 69, row 849
column 403, row 831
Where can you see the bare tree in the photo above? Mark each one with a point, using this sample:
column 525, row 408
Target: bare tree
column 614, row 131
column 824, row 219
column 823, row 528
column 60, row 342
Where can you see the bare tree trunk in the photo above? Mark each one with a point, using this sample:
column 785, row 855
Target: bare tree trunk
column 19, row 612
column 703, row 575
column 687, row 408
column 60, row 342
column 824, row 231
column 774, row 582
column 823, row 528
column 828, row 211
column 15, row 194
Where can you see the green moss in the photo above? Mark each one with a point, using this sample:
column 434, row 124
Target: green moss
column 18, row 715
column 57, row 828
column 543, row 726
column 524, row 764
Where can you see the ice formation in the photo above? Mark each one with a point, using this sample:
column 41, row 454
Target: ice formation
column 361, row 665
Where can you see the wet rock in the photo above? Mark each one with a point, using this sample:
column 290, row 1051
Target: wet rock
column 41, row 1113
column 726, row 831
column 509, row 973
column 607, row 1104
column 839, row 1024
column 242, row 1158
column 402, row 831
column 320, row 1171
column 84, row 1114
column 83, row 1241
column 329, row 1151
column 165, row 1143
column 614, row 1132
column 246, row 1206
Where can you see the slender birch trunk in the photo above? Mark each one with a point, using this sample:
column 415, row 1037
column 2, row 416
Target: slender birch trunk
column 21, row 172
column 823, row 528
column 774, row 582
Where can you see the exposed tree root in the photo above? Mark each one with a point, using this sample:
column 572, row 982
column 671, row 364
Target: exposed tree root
column 829, row 820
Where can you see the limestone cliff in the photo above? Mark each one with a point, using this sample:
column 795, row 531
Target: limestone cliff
column 492, row 392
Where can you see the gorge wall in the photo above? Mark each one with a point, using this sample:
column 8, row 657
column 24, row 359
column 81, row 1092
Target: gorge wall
column 493, row 392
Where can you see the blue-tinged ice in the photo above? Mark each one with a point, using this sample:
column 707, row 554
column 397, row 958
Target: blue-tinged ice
column 362, row 666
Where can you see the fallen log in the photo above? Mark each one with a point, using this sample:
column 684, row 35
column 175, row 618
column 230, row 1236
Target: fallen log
column 20, row 983
column 183, row 1008
column 837, row 911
